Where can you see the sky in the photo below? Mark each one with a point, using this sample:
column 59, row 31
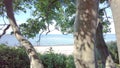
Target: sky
column 22, row 17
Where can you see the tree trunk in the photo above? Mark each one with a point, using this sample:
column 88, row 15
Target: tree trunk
column 34, row 60
column 115, row 6
column 84, row 33
column 107, row 61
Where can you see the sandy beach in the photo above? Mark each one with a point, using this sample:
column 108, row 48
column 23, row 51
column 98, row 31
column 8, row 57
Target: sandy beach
column 62, row 49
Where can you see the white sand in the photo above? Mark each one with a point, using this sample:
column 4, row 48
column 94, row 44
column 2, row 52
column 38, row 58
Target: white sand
column 62, row 49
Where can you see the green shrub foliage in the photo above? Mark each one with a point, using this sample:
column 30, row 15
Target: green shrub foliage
column 16, row 57
column 11, row 57
column 112, row 47
column 52, row 60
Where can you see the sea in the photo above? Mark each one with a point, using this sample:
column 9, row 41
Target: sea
column 49, row 39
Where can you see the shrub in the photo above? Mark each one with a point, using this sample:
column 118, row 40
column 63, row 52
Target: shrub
column 53, row 60
column 112, row 47
column 70, row 62
column 11, row 57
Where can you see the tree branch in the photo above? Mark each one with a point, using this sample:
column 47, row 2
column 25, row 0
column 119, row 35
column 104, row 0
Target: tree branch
column 106, row 15
column 4, row 31
column 39, row 38
column 52, row 3
column 35, row 62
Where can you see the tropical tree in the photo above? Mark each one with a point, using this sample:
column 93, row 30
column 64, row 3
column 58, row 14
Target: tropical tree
column 35, row 62
column 62, row 11
column 116, row 17
column 84, row 33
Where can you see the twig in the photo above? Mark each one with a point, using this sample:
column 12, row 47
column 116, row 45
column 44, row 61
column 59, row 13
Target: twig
column 4, row 31
column 106, row 15
column 48, row 31
column 40, row 37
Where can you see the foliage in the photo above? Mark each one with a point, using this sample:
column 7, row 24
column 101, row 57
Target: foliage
column 53, row 60
column 104, row 17
column 70, row 62
column 18, row 5
column 46, row 13
column 112, row 47
column 58, row 12
column 12, row 57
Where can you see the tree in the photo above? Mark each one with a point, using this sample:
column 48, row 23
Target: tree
column 107, row 61
column 35, row 62
column 102, row 27
column 18, row 6
column 61, row 11
column 84, row 33
column 116, row 17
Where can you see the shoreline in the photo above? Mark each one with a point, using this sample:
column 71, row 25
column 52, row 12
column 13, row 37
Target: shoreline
column 54, row 45
column 59, row 49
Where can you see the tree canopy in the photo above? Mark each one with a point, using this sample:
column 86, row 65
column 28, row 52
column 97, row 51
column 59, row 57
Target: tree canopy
column 46, row 13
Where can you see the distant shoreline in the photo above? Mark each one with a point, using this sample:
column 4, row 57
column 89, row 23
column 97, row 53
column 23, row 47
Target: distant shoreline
column 59, row 49
column 55, row 45
column 49, row 40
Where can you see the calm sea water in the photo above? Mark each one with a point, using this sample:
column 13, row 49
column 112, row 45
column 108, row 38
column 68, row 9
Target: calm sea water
column 50, row 39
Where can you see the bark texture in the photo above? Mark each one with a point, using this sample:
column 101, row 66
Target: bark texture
column 35, row 62
column 115, row 6
column 84, row 33
column 107, row 61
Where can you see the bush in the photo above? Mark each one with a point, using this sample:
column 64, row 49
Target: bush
column 52, row 60
column 70, row 62
column 11, row 57
column 112, row 47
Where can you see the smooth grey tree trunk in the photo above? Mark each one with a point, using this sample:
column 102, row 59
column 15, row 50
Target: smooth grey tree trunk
column 84, row 33
column 107, row 61
column 35, row 62
column 115, row 6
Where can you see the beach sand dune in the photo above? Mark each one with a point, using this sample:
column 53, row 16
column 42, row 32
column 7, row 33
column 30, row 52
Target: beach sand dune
column 60, row 49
